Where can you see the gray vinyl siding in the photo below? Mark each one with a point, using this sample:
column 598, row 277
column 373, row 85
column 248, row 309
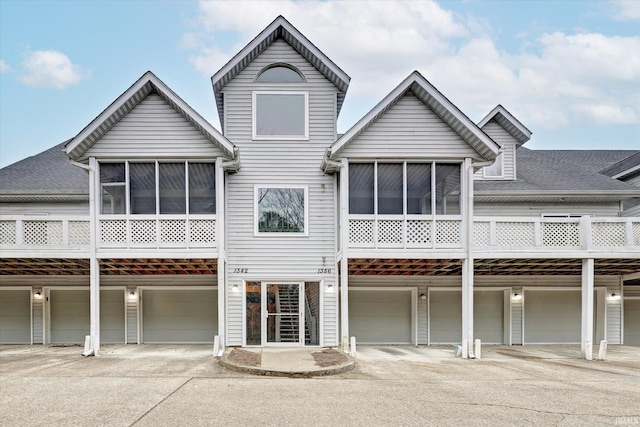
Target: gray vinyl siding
column 38, row 317
column 409, row 129
column 153, row 129
column 516, row 319
column 62, row 208
column 537, row 209
column 508, row 145
column 132, row 317
column 281, row 163
column 423, row 317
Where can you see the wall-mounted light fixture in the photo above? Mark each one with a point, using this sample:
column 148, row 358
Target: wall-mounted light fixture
column 37, row 295
column 329, row 288
column 235, row 288
column 614, row 297
column 516, row 297
column 132, row 294
column 423, row 297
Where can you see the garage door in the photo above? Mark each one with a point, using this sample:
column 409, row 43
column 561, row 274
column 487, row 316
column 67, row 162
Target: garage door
column 70, row 314
column 445, row 316
column 179, row 316
column 380, row 316
column 488, row 316
column 632, row 322
column 552, row 317
column 15, row 316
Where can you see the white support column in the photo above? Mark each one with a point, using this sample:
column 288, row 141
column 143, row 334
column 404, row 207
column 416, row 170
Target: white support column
column 586, row 339
column 344, row 262
column 94, row 269
column 467, row 264
column 222, row 251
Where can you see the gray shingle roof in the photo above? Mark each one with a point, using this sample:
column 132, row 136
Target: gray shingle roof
column 561, row 171
column 48, row 173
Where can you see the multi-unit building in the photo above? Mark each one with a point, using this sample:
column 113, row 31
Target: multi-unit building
column 417, row 226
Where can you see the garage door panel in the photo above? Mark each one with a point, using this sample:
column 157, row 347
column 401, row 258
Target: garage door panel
column 15, row 316
column 445, row 316
column 70, row 315
column 112, row 316
column 552, row 316
column 488, row 316
column 175, row 316
column 380, row 316
column 632, row 322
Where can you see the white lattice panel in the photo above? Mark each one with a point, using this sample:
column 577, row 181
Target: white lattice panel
column 389, row 231
column 635, row 233
column 79, row 233
column 360, row 231
column 143, row 231
column 448, row 232
column 481, row 234
column 42, row 233
column 173, row 231
column 7, row 232
column 113, row 231
column 515, row 234
column 559, row 234
column 203, row 231
column 418, row 231
column 608, row 234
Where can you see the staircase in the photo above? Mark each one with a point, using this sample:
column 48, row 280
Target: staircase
column 289, row 302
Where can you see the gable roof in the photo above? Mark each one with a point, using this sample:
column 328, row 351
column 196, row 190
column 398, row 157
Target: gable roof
column 280, row 28
column 512, row 125
column 47, row 176
column 427, row 93
column 624, row 168
column 145, row 85
column 559, row 175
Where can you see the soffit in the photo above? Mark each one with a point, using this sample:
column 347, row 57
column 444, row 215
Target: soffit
column 108, row 267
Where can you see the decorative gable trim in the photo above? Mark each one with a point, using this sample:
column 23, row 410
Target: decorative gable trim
column 280, row 28
column 512, row 125
column 436, row 101
column 145, row 85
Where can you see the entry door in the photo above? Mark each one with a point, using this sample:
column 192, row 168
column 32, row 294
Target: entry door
column 282, row 314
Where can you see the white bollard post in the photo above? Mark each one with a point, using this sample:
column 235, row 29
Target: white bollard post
column 588, row 350
column 353, row 347
column 88, row 348
column 602, row 353
column 216, row 345
column 477, row 349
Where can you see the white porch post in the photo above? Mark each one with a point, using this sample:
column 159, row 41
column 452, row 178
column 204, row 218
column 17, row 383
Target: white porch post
column 222, row 253
column 467, row 264
column 94, row 269
column 588, row 272
column 344, row 261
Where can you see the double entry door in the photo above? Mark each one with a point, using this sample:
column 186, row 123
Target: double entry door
column 282, row 313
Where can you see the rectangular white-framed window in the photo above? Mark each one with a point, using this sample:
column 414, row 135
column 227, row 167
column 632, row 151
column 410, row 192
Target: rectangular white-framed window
column 281, row 210
column 496, row 170
column 280, row 115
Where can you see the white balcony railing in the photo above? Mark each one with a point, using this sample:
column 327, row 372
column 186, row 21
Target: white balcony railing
column 32, row 232
column 503, row 233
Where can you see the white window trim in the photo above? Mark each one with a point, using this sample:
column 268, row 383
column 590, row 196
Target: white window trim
column 257, row 137
column 500, row 158
column 256, row 215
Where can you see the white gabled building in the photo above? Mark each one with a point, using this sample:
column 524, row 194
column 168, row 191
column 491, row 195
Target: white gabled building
column 417, row 226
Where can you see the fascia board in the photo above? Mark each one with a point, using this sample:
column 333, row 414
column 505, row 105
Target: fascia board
column 499, row 109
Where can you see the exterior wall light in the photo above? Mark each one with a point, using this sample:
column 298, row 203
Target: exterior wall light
column 37, row 294
column 423, row 297
column 235, row 288
column 330, row 288
column 517, row 297
column 614, row 297
column 132, row 294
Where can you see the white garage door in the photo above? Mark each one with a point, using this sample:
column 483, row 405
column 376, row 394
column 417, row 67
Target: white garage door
column 552, row 317
column 445, row 316
column 70, row 314
column 380, row 316
column 179, row 316
column 632, row 322
column 488, row 316
column 15, row 316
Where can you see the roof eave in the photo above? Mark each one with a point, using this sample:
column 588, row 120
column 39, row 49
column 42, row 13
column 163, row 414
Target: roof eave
column 509, row 122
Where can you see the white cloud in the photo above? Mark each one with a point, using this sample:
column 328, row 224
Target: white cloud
column 552, row 80
column 625, row 10
column 51, row 69
column 4, row 67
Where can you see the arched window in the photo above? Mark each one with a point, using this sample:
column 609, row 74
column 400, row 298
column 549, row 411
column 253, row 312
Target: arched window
column 279, row 73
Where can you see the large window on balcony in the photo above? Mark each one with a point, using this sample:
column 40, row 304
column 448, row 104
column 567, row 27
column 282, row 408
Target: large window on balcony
column 399, row 188
column 167, row 188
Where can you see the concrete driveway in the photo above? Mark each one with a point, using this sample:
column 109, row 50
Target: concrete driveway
column 184, row 385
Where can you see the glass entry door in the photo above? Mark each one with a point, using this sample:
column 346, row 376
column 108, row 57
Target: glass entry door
column 282, row 313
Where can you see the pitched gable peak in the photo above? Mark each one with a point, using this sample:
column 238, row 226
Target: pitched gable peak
column 508, row 121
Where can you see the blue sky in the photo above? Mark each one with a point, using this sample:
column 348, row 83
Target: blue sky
column 569, row 70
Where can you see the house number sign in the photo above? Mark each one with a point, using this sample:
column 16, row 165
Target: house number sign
column 325, row 270
column 241, row 270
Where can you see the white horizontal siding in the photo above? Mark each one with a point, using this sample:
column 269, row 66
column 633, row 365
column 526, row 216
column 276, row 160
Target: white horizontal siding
column 508, row 145
column 280, row 163
column 38, row 317
column 409, row 129
column 132, row 316
column 536, row 209
column 516, row 318
column 62, row 208
column 153, row 129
